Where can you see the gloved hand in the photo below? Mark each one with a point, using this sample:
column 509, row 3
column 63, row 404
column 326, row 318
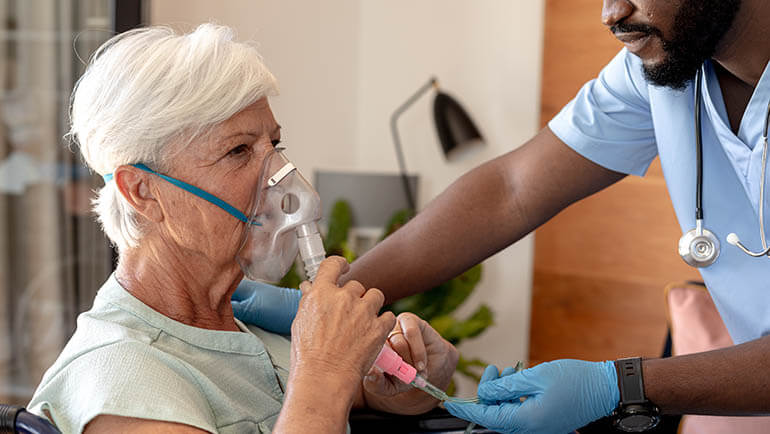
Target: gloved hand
column 266, row 306
column 562, row 396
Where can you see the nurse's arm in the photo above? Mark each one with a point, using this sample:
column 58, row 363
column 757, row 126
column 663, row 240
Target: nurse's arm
column 484, row 211
column 729, row 381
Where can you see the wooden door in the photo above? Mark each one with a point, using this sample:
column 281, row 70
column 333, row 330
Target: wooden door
column 601, row 265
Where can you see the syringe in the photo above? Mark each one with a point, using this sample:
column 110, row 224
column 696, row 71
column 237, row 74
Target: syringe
column 390, row 362
column 311, row 250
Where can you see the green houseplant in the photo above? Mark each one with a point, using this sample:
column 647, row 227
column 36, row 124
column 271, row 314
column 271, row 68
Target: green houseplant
column 437, row 305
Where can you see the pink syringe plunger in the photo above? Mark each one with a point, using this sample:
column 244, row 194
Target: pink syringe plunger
column 391, row 363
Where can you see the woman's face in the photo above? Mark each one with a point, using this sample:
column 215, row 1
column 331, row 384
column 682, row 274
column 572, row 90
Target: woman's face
column 225, row 163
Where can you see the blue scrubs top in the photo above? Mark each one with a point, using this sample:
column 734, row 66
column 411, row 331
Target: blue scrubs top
column 621, row 122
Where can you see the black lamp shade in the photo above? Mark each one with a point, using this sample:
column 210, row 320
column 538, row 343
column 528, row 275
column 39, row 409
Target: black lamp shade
column 453, row 125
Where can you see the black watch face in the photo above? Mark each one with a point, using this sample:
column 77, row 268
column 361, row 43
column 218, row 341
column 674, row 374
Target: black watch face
column 636, row 417
column 637, row 422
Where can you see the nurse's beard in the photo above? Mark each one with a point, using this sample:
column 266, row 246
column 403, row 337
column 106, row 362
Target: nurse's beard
column 699, row 25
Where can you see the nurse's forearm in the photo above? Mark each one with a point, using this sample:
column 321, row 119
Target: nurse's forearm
column 729, row 381
column 483, row 212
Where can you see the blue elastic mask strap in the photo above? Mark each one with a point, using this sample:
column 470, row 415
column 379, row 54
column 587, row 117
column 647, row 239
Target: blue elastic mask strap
column 194, row 190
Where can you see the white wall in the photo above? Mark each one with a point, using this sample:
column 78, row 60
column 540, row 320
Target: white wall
column 345, row 65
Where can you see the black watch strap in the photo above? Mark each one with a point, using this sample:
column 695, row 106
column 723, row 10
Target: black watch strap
column 631, row 382
column 635, row 412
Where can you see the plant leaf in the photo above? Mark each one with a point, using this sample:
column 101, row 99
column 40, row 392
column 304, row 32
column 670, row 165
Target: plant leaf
column 441, row 300
column 458, row 289
column 340, row 219
column 472, row 368
column 455, row 330
column 291, row 279
column 346, row 252
column 478, row 322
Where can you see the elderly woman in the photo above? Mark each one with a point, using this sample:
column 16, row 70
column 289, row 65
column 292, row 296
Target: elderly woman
column 181, row 129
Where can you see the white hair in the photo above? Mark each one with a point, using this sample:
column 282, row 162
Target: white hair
column 148, row 88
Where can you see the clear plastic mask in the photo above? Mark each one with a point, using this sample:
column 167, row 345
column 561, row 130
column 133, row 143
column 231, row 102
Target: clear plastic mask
column 284, row 203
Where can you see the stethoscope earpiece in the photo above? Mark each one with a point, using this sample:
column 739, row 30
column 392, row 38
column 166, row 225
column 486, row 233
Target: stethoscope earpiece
column 733, row 239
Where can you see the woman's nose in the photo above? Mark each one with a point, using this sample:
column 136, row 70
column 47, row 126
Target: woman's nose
column 262, row 150
column 615, row 11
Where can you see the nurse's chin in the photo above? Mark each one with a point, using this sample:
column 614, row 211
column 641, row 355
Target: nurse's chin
column 649, row 50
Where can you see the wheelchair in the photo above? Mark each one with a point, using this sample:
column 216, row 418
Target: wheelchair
column 15, row 419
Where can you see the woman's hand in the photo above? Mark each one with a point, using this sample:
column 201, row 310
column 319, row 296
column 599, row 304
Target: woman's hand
column 337, row 331
column 335, row 338
column 422, row 347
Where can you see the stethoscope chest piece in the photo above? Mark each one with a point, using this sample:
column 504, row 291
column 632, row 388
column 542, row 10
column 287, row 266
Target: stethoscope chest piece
column 699, row 247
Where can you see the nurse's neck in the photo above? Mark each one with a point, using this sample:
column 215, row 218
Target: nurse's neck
column 744, row 51
column 741, row 58
column 736, row 95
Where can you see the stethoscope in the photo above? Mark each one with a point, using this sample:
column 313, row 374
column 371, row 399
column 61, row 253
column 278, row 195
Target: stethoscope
column 700, row 247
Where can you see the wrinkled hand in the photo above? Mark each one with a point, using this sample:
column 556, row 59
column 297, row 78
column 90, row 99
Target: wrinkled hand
column 560, row 396
column 422, row 347
column 266, row 306
column 337, row 330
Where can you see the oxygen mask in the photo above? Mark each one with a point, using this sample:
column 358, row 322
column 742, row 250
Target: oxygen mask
column 282, row 221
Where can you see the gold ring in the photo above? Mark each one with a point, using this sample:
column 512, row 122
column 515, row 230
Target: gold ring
column 395, row 332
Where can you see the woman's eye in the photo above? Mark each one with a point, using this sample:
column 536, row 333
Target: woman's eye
column 239, row 150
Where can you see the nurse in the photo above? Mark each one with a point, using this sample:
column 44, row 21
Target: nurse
column 642, row 104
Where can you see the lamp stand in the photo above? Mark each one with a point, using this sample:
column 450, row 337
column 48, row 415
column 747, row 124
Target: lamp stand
column 397, row 139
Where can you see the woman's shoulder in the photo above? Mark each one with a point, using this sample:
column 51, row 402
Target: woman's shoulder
column 124, row 377
column 128, row 360
column 106, row 332
column 111, row 366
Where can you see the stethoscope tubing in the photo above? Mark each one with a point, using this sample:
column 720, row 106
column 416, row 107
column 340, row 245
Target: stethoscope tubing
column 699, row 215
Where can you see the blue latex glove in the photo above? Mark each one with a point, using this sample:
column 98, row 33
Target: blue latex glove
column 562, row 396
column 266, row 306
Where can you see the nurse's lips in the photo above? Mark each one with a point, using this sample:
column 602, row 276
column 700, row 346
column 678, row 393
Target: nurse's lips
column 634, row 41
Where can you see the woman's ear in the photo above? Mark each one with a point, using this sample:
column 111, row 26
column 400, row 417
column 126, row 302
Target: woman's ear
column 133, row 184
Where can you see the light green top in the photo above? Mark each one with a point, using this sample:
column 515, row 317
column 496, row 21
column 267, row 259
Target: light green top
column 126, row 359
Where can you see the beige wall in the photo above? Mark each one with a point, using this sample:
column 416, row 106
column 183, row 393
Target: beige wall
column 312, row 48
column 486, row 53
column 345, row 65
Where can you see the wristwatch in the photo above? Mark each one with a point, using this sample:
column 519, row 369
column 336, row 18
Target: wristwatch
column 635, row 413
